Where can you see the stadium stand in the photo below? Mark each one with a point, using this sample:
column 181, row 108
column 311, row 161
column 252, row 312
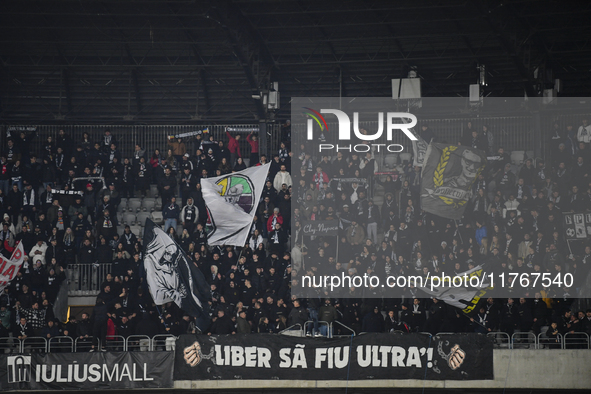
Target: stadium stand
column 102, row 254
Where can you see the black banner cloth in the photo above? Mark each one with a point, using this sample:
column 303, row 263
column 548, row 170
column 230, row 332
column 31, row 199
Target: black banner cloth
column 372, row 356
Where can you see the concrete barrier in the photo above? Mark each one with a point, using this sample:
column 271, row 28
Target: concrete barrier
column 521, row 369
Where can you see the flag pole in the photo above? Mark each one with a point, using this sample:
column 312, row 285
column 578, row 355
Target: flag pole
column 161, row 318
column 472, row 320
column 458, row 230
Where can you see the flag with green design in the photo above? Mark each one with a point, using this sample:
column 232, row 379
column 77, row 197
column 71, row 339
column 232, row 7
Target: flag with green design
column 231, row 201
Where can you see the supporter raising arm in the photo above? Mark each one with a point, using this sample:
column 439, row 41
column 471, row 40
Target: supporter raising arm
column 233, row 147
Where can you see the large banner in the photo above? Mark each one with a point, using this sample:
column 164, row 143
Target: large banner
column 447, row 177
column 231, row 202
column 368, row 356
column 577, row 225
column 10, row 267
column 171, row 277
column 86, row 371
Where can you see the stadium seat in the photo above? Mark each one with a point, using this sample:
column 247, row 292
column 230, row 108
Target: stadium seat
column 134, row 204
column 157, row 217
column 137, row 230
column 148, row 204
column 153, row 191
column 390, row 160
column 518, row 157
column 123, row 202
column 142, row 216
column 129, row 218
column 120, row 217
column 158, row 201
column 122, row 208
column 405, row 157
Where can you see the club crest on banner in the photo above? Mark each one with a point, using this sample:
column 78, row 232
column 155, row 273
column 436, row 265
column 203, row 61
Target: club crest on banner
column 237, row 190
column 231, row 201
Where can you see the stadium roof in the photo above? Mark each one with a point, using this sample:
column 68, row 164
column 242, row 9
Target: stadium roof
column 203, row 61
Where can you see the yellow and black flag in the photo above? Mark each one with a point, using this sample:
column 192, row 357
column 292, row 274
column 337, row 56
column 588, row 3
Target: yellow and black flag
column 449, row 172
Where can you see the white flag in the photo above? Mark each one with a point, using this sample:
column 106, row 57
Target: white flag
column 459, row 296
column 10, row 267
column 231, row 201
column 419, row 148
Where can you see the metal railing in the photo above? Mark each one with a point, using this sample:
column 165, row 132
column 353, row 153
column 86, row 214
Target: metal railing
column 34, row 344
column 500, row 339
column 309, row 327
column 86, row 279
column 576, row 340
column 301, row 331
column 85, row 344
column 163, row 342
column 524, row 340
column 62, row 344
column 341, row 325
column 10, row 345
column 166, row 342
column 545, row 342
column 115, row 343
column 151, row 137
column 141, row 343
column 65, row 344
column 295, row 331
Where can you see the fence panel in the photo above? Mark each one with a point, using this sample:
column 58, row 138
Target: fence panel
column 34, row 344
column 501, row 339
column 164, row 342
column 138, row 343
column 115, row 343
column 511, row 132
column 523, row 340
column 550, row 343
column 60, row 344
column 149, row 137
column 576, row 340
column 86, row 344
column 86, row 279
column 10, row 345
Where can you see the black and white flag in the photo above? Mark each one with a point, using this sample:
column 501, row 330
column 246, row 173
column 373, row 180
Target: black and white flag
column 446, row 181
column 172, row 277
column 454, row 293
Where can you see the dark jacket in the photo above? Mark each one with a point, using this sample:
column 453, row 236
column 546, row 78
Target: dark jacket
column 373, row 322
column 297, row 316
column 222, row 326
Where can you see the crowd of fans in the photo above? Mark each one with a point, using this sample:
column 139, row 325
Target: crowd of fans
column 514, row 222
